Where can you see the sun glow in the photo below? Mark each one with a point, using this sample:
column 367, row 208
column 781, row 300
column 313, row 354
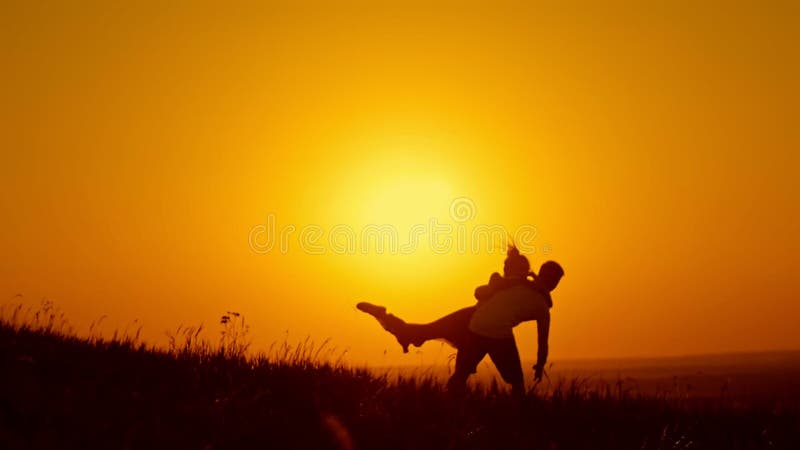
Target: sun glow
column 406, row 201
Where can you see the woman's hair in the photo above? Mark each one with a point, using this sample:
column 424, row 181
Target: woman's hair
column 516, row 262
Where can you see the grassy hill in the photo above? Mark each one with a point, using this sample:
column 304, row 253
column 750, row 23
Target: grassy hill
column 60, row 391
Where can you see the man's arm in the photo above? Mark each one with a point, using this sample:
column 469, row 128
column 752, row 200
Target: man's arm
column 543, row 329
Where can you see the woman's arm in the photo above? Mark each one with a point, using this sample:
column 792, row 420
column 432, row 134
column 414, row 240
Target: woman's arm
column 486, row 291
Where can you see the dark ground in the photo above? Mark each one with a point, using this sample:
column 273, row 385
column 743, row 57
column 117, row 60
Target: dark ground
column 59, row 392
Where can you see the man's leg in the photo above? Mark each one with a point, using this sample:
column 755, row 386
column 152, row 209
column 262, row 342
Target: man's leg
column 469, row 355
column 505, row 357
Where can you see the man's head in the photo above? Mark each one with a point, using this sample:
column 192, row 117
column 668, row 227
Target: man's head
column 549, row 275
column 515, row 265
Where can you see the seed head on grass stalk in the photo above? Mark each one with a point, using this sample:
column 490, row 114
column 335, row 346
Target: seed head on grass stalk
column 234, row 341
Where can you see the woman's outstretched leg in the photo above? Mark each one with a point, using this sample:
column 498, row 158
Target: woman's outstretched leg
column 391, row 323
column 452, row 328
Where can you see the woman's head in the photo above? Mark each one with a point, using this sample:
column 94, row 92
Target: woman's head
column 515, row 265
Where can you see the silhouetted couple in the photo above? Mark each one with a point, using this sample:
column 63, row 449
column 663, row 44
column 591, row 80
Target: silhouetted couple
column 486, row 328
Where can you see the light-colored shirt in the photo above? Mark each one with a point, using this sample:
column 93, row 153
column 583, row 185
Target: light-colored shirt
column 506, row 309
column 496, row 317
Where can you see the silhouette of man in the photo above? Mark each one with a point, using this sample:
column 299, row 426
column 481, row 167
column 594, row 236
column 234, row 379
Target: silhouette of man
column 487, row 327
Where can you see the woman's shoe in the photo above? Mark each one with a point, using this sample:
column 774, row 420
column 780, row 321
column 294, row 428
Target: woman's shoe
column 378, row 312
column 389, row 322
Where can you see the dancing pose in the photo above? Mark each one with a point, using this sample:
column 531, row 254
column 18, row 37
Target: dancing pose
column 486, row 328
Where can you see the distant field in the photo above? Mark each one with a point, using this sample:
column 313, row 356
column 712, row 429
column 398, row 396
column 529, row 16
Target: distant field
column 768, row 379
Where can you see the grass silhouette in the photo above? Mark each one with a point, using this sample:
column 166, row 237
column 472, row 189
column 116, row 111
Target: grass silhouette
column 58, row 390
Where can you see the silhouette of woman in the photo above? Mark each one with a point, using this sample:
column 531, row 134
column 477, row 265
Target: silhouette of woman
column 486, row 327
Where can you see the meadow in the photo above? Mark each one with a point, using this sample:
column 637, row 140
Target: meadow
column 59, row 390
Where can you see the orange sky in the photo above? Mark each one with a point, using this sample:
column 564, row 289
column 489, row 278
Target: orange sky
column 654, row 150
